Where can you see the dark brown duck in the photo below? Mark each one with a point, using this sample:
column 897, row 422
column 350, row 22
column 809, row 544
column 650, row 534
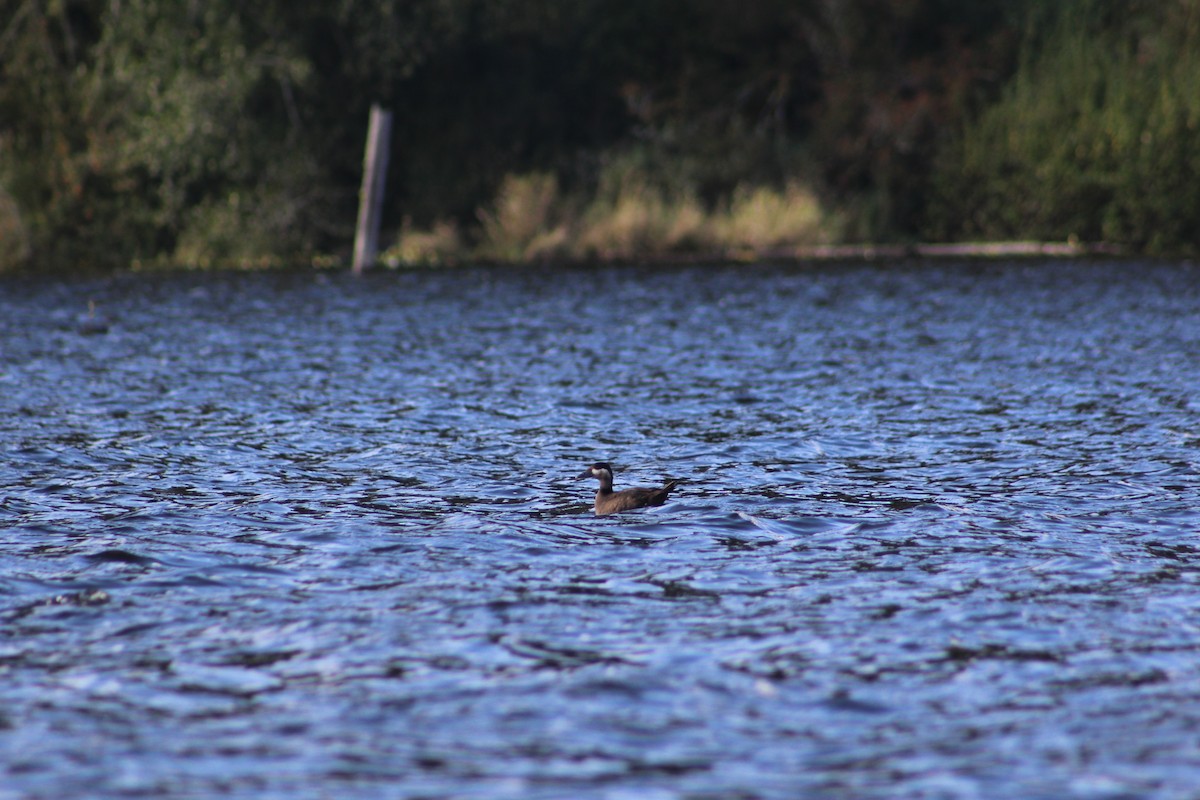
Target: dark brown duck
column 610, row 502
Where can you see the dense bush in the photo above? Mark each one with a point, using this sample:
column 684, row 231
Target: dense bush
column 153, row 132
column 1095, row 137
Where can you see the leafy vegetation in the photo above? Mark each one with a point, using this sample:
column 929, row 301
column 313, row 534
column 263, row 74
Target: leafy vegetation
column 1096, row 137
column 224, row 132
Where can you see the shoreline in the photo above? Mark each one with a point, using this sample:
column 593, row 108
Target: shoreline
column 800, row 254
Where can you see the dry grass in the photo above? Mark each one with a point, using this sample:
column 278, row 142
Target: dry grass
column 441, row 245
column 523, row 221
column 14, row 237
column 762, row 219
column 530, row 220
column 639, row 220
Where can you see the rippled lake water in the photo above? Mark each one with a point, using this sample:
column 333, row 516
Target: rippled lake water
column 302, row 535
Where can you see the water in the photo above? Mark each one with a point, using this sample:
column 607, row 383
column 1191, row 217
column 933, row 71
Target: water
column 307, row 536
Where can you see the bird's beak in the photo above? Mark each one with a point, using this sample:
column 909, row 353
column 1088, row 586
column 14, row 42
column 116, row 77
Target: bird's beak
column 587, row 473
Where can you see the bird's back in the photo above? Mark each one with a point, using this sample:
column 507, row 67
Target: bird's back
column 628, row 499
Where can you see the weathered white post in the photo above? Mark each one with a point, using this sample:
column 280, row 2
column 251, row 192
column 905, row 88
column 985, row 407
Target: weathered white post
column 370, row 198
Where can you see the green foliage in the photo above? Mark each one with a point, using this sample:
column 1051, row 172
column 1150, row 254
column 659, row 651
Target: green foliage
column 1095, row 138
column 224, row 132
column 170, row 93
column 204, row 133
column 40, row 170
column 895, row 77
column 14, row 236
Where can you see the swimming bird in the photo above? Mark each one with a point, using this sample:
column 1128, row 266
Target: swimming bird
column 92, row 323
column 610, row 502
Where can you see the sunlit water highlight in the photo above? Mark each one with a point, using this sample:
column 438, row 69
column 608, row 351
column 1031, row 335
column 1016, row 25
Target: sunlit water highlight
column 302, row 535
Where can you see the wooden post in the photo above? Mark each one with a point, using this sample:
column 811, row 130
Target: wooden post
column 370, row 198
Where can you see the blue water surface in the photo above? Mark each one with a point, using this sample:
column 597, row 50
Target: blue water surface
column 301, row 535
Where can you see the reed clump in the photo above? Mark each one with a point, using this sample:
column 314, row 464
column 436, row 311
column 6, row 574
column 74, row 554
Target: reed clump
column 639, row 219
column 532, row 219
column 524, row 221
column 437, row 246
column 14, row 237
column 761, row 219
